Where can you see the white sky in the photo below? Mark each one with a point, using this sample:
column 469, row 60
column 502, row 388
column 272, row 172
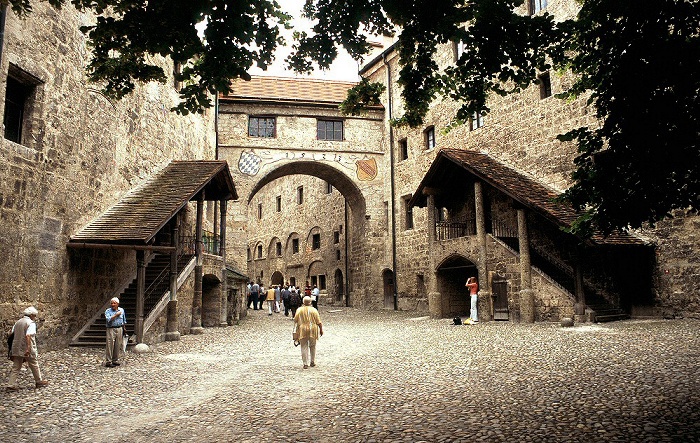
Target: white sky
column 343, row 68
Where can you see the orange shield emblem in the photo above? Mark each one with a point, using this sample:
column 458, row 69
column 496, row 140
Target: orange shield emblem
column 366, row 169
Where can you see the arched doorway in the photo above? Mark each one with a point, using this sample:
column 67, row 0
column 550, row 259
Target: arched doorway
column 388, row 279
column 277, row 278
column 338, row 284
column 211, row 301
column 452, row 274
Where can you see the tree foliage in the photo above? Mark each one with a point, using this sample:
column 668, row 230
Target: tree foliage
column 636, row 61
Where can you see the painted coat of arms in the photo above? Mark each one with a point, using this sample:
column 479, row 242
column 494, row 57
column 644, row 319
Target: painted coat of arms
column 366, row 169
column 249, row 163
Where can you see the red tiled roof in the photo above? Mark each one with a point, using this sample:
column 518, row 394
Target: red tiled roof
column 290, row 89
column 521, row 188
column 141, row 213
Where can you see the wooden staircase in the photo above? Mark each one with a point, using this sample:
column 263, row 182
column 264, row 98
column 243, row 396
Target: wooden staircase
column 157, row 284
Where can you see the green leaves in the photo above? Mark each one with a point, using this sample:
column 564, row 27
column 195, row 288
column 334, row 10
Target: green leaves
column 361, row 97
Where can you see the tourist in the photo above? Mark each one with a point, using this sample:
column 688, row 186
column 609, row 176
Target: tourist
column 255, row 293
column 473, row 289
column 307, row 322
column 263, row 296
column 270, row 300
column 314, row 297
column 116, row 320
column 278, row 297
column 285, row 300
column 24, row 349
column 294, row 301
column 249, row 293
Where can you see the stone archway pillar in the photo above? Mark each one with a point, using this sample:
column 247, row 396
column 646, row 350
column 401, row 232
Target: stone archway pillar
column 527, row 295
column 224, row 280
column 434, row 297
column 196, row 327
column 484, row 305
column 172, row 332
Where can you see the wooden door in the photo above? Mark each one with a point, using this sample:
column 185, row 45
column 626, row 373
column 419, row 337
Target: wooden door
column 388, row 289
column 499, row 286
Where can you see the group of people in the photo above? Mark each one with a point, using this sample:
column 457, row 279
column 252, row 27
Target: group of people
column 278, row 297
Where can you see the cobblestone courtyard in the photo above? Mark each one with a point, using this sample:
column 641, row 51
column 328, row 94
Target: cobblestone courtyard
column 381, row 376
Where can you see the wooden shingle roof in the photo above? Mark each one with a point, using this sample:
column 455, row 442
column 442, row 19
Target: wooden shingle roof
column 143, row 211
column 289, row 90
column 519, row 187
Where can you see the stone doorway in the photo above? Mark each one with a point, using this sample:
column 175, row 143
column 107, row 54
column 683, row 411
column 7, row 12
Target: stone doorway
column 211, row 300
column 277, row 278
column 452, row 275
column 388, row 279
column 339, row 286
column 499, row 286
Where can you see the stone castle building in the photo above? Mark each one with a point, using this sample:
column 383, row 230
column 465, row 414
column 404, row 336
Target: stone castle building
column 377, row 216
column 446, row 205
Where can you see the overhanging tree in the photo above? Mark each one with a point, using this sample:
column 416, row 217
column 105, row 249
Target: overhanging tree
column 637, row 62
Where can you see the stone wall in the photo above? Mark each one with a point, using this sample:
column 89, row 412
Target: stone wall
column 79, row 154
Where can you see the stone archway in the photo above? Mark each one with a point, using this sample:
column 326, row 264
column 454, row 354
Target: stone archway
column 277, row 278
column 451, row 276
column 211, row 300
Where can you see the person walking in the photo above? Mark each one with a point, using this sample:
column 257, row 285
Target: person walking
column 24, row 349
column 263, row 296
column 294, row 302
column 314, row 296
column 285, row 300
column 116, row 321
column 278, row 297
column 255, row 293
column 473, row 291
column 307, row 322
column 270, row 300
column 249, row 294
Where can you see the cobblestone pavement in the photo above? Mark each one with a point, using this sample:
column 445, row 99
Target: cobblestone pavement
column 381, row 376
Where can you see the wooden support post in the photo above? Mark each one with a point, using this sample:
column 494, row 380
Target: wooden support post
column 484, row 304
column 196, row 327
column 140, row 290
column 527, row 295
column 431, row 219
column 172, row 332
column 224, row 279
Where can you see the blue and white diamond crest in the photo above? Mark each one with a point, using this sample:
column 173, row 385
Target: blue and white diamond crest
column 249, row 163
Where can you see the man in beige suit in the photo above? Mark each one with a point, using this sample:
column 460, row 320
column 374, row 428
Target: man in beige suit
column 24, row 349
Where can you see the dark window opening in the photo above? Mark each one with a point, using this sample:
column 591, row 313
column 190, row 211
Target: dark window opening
column 295, row 246
column 279, row 203
column 337, row 254
column 316, row 241
column 536, row 6
column 336, row 237
column 408, row 213
column 259, row 211
column 329, row 188
column 278, row 246
column 545, row 86
column 314, row 280
column 403, row 149
column 259, row 251
column 329, row 130
column 18, row 95
column 300, row 195
column 261, row 127
column 322, row 282
column 476, row 121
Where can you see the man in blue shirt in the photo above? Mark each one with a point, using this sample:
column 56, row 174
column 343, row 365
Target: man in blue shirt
column 116, row 319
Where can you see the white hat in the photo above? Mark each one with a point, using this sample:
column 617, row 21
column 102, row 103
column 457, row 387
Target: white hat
column 30, row 311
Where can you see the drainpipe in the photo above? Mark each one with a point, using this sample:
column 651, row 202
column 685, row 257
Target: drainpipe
column 393, row 184
column 216, row 151
column 3, row 16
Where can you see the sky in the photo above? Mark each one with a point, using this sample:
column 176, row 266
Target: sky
column 343, row 68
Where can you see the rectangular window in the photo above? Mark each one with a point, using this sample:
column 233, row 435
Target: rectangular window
column 292, row 281
column 259, row 251
column 329, row 188
column 248, row 250
column 314, row 280
column 337, row 254
column 300, row 195
column 261, row 127
column 336, row 237
column 545, row 86
column 536, row 6
column 458, row 50
column 259, row 211
column 329, row 130
column 322, row 282
column 295, row 246
column 408, row 224
column 476, row 121
column 403, row 149
column 429, row 136
column 278, row 247
column 20, row 90
column 316, row 241
column 278, row 202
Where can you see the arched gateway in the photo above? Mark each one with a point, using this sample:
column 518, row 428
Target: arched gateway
column 270, row 129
